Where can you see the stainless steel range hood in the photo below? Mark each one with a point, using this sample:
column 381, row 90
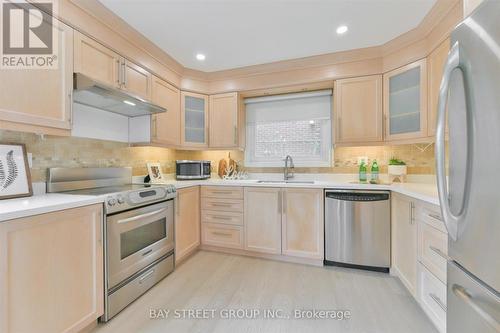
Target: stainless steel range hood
column 89, row 92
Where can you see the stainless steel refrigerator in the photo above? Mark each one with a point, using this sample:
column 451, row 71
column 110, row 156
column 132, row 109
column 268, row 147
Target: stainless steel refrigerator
column 469, row 192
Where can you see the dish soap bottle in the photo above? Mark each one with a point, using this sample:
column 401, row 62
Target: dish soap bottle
column 362, row 172
column 374, row 173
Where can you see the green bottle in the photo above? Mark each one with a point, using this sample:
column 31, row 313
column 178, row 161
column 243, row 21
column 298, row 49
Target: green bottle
column 362, row 172
column 374, row 172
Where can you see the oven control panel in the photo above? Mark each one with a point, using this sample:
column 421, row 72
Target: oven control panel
column 126, row 200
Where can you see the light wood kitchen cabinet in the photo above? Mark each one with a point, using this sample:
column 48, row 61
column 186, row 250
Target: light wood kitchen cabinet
column 223, row 129
column 262, row 219
column 302, row 223
column 39, row 100
column 405, row 102
column 106, row 66
column 136, row 80
column 187, row 222
column 436, row 62
column 222, row 216
column 51, row 271
column 358, row 110
column 470, row 5
column 404, row 241
column 166, row 127
column 194, row 120
column 97, row 61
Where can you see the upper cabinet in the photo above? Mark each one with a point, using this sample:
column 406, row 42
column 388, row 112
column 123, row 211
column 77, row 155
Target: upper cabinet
column 358, row 110
column 166, row 127
column 436, row 62
column 470, row 5
column 405, row 102
column 39, row 100
column 136, row 80
column 194, row 120
column 96, row 61
column 223, row 132
column 104, row 65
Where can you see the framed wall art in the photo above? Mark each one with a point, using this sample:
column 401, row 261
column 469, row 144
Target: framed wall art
column 15, row 177
column 155, row 174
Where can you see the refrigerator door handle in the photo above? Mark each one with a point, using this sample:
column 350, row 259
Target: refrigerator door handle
column 462, row 293
column 453, row 62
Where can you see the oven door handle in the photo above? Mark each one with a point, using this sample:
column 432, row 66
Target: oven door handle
column 142, row 216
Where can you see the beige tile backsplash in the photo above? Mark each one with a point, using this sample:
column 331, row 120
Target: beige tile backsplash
column 51, row 151
column 418, row 159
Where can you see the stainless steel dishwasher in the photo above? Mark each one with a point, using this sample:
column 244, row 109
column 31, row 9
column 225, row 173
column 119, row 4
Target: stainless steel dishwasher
column 358, row 229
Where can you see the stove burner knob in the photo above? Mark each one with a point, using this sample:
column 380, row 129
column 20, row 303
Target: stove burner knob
column 111, row 201
column 121, row 200
column 169, row 190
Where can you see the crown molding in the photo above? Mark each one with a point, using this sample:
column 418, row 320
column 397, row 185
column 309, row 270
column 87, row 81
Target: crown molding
column 97, row 21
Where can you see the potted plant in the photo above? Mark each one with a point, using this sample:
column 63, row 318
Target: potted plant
column 397, row 167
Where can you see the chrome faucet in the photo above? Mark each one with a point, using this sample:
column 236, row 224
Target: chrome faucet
column 286, row 171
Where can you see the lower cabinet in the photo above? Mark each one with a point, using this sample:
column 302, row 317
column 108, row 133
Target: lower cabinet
column 286, row 221
column 51, row 271
column 187, row 222
column 302, row 223
column 419, row 254
column 263, row 207
column 222, row 216
column 273, row 222
column 404, row 241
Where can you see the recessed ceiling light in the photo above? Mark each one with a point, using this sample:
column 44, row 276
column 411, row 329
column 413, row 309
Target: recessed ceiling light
column 342, row 29
column 129, row 102
column 200, row 56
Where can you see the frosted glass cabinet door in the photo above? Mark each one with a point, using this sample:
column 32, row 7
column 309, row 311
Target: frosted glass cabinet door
column 194, row 120
column 405, row 102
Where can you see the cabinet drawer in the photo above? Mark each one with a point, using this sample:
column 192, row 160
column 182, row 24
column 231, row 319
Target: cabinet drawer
column 210, row 216
column 222, row 235
column 431, row 214
column 222, row 192
column 432, row 297
column 432, row 249
column 227, row 205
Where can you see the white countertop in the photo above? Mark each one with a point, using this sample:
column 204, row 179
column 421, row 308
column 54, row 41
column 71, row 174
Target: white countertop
column 425, row 191
column 44, row 203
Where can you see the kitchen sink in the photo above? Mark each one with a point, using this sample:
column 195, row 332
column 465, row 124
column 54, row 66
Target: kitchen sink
column 285, row 182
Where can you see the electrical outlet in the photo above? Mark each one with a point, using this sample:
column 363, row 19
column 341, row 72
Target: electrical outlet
column 362, row 158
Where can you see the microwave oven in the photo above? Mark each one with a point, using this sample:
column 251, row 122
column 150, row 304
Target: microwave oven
column 185, row 169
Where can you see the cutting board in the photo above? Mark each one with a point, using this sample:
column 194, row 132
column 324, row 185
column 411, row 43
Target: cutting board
column 221, row 171
column 231, row 164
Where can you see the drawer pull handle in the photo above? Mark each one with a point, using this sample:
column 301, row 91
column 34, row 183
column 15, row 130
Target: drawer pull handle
column 439, row 252
column 218, row 233
column 221, row 205
column 221, row 192
column 436, row 217
column 438, row 301
column 145, row 276
column 221, row 217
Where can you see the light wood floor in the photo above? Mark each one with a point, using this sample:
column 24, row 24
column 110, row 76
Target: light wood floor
column 378, row 302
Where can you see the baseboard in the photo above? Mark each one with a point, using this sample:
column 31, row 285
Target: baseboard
column 276, row 257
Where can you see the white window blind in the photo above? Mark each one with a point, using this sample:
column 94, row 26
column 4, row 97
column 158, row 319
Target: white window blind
column 298, row 125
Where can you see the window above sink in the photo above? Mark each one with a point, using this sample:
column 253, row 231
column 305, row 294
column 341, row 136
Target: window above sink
column 296, row 124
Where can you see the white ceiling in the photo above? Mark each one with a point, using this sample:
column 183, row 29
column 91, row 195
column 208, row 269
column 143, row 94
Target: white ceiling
column 237, row 33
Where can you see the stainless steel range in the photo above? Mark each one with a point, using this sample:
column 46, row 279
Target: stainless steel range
column 139, row 233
